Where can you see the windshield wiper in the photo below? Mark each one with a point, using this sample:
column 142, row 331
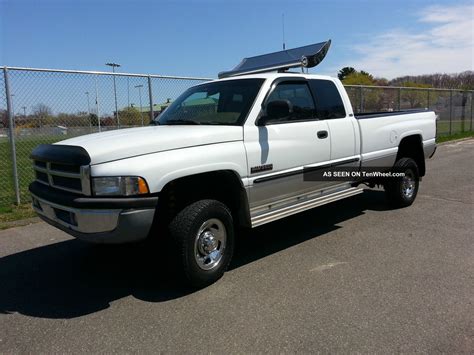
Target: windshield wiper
column 182, row 122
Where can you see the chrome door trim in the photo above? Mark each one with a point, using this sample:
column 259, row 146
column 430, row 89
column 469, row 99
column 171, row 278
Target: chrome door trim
column 302, row 169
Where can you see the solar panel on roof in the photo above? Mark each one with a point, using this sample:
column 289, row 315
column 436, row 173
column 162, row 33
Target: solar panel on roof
column 307, row 56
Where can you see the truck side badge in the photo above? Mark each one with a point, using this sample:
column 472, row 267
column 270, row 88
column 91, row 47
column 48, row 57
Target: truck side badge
column 260, row 168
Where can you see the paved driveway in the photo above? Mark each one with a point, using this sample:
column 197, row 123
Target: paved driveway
column 350, row 276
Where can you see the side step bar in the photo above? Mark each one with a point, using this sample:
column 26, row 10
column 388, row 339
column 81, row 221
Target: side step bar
column 303, row 206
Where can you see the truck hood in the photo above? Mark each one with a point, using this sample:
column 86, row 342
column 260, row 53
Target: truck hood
column 125, row 143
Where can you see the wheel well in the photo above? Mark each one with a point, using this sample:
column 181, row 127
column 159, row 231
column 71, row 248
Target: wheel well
column 223, row 185
column 412, row 147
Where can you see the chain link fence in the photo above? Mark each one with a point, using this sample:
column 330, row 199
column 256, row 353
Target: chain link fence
column 46, row 106
column 453, row 107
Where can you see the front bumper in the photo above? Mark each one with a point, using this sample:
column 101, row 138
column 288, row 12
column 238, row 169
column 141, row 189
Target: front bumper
column 94, row 219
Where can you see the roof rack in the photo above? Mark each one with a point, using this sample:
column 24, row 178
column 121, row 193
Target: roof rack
column 305, row 57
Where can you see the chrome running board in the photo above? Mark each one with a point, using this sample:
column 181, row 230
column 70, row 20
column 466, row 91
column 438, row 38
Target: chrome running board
column 303, row 206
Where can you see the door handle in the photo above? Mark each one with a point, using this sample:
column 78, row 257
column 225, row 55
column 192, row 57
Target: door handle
column 322, row 134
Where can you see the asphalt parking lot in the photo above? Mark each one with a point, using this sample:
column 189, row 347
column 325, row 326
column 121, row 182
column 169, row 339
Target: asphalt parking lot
column 349, row 276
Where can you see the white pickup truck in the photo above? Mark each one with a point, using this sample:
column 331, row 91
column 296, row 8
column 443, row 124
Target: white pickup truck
column 228, row 153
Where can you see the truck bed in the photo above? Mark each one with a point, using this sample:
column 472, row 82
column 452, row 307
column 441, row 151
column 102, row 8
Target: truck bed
column 382, row 132
column 364, row 115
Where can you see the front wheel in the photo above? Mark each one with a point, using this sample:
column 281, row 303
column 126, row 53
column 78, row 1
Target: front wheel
column 402, row 191
column 203, row 234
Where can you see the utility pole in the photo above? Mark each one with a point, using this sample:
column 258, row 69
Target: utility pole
column 139, row 87
column 115, row 65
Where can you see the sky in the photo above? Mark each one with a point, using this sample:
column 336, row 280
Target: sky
column 202, row 38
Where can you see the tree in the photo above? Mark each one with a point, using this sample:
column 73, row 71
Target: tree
column 62, row 119
column 364, row 100
column 108, row 121
column 42, row 113
column 344, row 72
column 94, row 119
column 359, row 78
column 42, row 110
column 415, row 98
column 381, row 82
column 79, row 119
column 3, row 119
column 130, row 116
column 463, row 80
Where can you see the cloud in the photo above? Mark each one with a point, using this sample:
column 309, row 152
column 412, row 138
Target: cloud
column 445, row 46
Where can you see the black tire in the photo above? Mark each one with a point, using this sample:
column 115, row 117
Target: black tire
column 184, row 231
column 398, row 191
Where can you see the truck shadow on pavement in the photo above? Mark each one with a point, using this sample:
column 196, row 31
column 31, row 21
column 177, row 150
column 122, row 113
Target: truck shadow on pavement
column 71, row 279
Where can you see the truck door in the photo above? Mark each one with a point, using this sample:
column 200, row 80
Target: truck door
column 343, row 128
column 278, row 152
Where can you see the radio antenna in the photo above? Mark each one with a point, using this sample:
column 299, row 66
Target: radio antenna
column 283, row 29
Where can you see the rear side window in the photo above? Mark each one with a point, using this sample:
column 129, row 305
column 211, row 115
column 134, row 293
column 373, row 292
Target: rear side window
column 327, row 100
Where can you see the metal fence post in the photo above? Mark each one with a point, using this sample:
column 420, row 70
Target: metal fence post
column 11, row 129
column 450, row 111
column 150, row 94
column 428, row 99
column 472, row 99
column 116, row 105
column 361, row 100
column 97, row 104
column 399, row 99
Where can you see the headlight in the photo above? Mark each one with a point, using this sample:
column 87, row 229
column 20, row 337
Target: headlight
column 119, row 186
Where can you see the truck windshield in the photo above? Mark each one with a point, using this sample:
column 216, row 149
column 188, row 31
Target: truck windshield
column 215, row 103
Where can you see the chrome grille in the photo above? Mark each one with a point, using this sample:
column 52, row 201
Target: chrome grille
column 71, row 178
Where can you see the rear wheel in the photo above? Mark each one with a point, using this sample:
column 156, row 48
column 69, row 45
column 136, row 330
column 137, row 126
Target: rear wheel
column 203, row 235
column 402, row 191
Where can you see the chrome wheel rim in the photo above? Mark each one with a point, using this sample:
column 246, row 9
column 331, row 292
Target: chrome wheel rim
column 210, row 243
column 408, row 185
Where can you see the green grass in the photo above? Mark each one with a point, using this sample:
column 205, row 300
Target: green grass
column 24, row 147
column 456, row 126
column 14, row 213
column 460, row 135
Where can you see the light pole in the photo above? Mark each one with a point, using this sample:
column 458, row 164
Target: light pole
column 128, row 91
column 140, row 98
column 89, row 110
column 24, row 113
column 88, row 103
column 115, row 65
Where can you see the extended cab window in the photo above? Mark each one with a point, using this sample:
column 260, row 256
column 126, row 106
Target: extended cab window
column 327, row 99
column 299, row 96
column 216, row 103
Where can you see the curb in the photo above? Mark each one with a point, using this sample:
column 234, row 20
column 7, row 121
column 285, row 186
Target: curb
column 19, row 223
column 455, row 141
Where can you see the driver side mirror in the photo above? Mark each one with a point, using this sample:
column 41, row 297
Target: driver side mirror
column 276, row 110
